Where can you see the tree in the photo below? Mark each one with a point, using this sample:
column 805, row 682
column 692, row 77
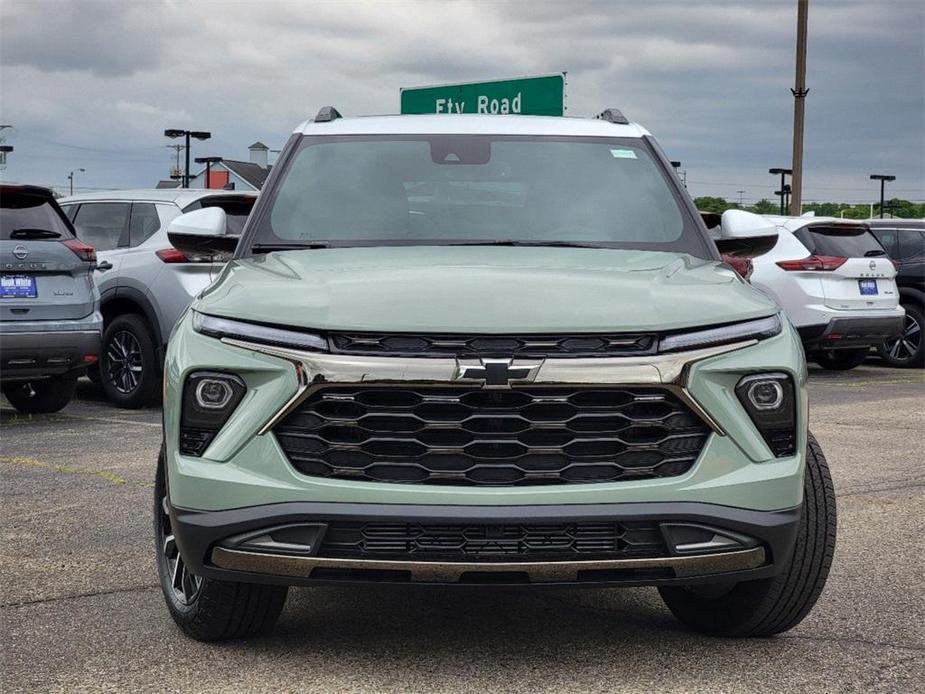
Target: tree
column 901, row 208
column 711, row 204
column 764, row 206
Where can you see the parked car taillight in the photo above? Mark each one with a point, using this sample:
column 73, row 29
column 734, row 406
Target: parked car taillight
column 742, row 266
column 813, row 262
column 171, row 255
column 81, row 250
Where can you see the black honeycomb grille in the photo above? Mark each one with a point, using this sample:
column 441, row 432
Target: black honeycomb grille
column 510, row 346
column 475, row 436
column 483, row 542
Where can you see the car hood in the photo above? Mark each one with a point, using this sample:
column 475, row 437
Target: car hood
column 482, row 289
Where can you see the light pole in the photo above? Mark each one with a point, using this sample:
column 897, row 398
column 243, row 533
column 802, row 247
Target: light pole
column 883, row 178
column 208, row 161
column 70, row 177
column 4, row 150
column 198, row 134
column 676, row 165
column 783, row 174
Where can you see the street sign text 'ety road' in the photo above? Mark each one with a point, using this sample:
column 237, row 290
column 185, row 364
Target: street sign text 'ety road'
column 535, row 96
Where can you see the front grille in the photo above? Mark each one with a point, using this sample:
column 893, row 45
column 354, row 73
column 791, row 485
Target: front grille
column 482, row 542
column 475, row 436
column 409, row 344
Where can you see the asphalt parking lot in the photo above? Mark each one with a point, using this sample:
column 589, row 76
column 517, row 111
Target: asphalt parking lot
column 80, row 608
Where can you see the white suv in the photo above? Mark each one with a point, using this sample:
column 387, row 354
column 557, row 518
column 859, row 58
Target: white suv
column 144, row 282
column 836, row 284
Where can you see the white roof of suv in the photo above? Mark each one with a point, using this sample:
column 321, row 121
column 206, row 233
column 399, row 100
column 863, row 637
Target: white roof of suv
column 181, row 197
column 794, row 223
column 466, row 124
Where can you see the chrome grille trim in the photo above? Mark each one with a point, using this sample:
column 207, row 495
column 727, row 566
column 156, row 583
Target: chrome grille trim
column 313, row 369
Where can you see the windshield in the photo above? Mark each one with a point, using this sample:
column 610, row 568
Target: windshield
column 462, row 189
column 25, row 214
column 843, row 242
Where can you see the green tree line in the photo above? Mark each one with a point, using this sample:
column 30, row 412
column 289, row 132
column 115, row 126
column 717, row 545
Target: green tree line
column 895, row 206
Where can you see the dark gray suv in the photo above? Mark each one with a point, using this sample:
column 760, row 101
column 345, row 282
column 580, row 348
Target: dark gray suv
column 50, row 322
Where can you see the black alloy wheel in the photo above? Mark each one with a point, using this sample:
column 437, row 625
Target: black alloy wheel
column 906, row 350
column 124, row 363
column 129, row 369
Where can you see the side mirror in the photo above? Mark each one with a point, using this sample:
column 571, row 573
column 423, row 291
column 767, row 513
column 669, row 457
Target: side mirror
column 745, row 234
column 202, row 234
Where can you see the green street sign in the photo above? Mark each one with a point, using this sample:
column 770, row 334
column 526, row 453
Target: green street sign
column 536, row 96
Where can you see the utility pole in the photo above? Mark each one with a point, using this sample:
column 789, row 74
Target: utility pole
column 177, row 149
column 741, row 193
column 883, row 178
column 799, row 103
column 198, row 134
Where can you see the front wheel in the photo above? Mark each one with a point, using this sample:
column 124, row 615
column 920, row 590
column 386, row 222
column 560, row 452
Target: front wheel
column 41, row 397
column 771, row 605
column 842, row 359
column 206, row 609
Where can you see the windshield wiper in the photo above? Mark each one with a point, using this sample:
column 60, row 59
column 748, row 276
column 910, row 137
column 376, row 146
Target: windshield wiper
column 515, row 242
column 272, row 247
column 874, row 252
column 28, row 233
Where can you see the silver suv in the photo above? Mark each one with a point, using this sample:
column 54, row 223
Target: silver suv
column 145, row 283
column 49, row 318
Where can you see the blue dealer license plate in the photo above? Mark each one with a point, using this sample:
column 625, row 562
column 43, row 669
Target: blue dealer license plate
column 868, row 287
column 17, row 286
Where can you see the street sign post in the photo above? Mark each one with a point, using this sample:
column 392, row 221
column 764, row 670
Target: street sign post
column 543, row 95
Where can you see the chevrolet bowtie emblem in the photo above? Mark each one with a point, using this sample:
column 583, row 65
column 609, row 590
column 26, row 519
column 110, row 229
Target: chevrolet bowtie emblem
column 496, row 373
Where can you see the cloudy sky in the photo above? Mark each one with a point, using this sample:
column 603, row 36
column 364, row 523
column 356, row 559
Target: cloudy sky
column 94, row 84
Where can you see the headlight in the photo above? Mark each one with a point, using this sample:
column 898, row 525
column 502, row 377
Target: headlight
column 209, row 398
column 770, row 402
column 737, row 332
column 256, row 332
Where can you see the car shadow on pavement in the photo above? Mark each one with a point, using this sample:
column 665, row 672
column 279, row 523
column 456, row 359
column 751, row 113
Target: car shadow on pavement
column 435, row 619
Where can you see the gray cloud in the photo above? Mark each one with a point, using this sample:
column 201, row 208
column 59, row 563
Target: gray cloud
column 95, row 84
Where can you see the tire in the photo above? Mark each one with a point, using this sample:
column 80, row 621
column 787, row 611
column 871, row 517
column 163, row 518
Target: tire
column 203, row 608
column 772, row 605
column 908, row 350
column 841, row 359
column 41, row 397
column 129, row 369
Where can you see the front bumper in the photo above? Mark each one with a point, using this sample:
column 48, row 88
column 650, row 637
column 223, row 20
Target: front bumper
column 845, row 332
column 206, row 541
column 40, row 350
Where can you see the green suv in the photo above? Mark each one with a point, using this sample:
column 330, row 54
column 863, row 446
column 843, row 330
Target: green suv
column 465, row 350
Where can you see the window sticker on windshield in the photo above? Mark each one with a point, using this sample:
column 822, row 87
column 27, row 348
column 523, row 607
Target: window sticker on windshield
column 623, row 153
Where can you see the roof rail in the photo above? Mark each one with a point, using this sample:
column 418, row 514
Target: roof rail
column 327, row 114
column 613, row 115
